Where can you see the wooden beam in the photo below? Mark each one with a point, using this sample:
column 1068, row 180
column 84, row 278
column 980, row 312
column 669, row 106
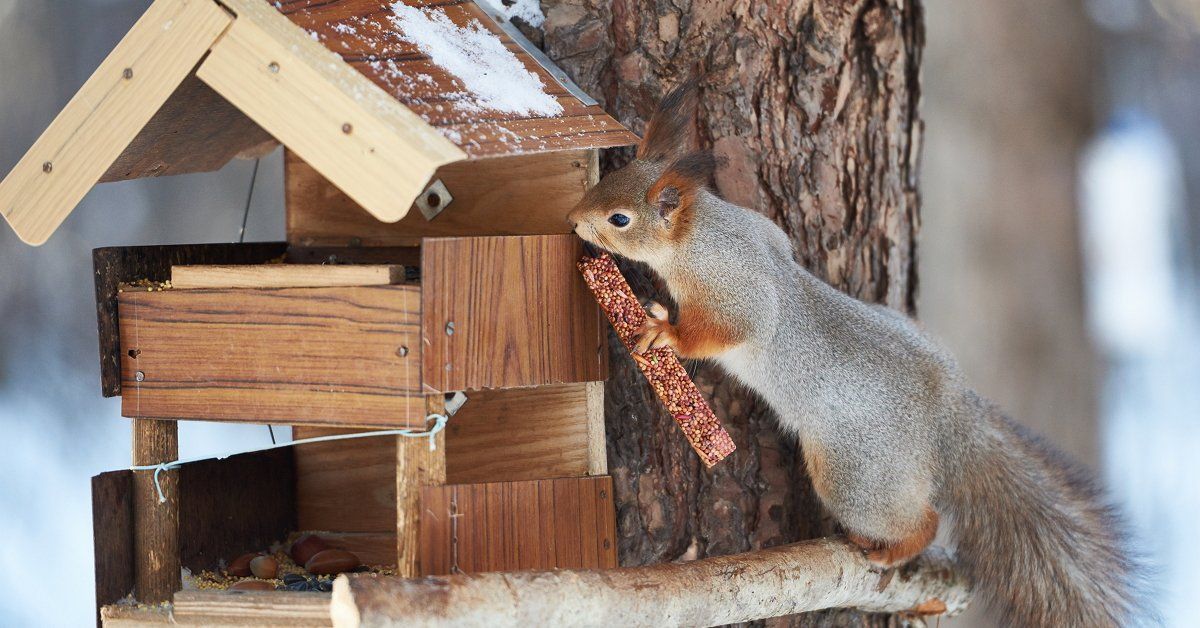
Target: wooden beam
column 809, row 576
column 112, row 536
column 114, row 266
column 597, row 451
column 107, row 113
column 265, row 609
column 420, row 463
column 518, row 195
column 155, row 523
column 504, row 526
column 285, row 276
column 505, row 312
column 353, row 132
column 323, row 356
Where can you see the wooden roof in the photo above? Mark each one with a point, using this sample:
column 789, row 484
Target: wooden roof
column 196, row 83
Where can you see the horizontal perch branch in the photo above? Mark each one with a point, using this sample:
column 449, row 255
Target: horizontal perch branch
column 808, row 576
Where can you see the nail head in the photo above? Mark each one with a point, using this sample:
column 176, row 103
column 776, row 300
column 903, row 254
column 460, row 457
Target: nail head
column 128, row 73
column 274, row 68
column 48, row 166
column 139, row 376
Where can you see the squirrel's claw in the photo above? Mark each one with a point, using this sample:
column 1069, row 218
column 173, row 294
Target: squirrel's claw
column 655, row 333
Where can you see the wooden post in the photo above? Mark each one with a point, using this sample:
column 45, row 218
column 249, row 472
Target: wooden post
column 416, row 466
column 155, row 525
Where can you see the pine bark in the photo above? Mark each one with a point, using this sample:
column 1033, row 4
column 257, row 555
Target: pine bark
column 813, row 105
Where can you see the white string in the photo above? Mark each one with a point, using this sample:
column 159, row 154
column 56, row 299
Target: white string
column 439, row 424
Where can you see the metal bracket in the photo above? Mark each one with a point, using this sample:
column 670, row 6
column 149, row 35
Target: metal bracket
column 515, row 33
column 434, row 199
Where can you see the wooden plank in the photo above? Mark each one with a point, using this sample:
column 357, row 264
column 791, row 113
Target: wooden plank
column 107, row 113
column 493, row 524
column 155, row 518
column 116, row 265
column 361, row 32
column 499, row 435
column 520, row 312
column 285, row 276
column 328, row 356
column 420, row 462
column 281, row 609
column 518, row 195
column 229, row 507
column 356, row 134
column 112, row 536
column 194, row 131
column 596, row 438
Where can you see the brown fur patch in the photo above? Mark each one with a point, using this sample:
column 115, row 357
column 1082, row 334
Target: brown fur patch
column 815, row 464
column 699, row 335
column 895, row 553
column 670, row 129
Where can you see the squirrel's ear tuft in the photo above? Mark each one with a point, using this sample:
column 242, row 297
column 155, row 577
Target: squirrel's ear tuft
column 677, row 187
column 670, row 130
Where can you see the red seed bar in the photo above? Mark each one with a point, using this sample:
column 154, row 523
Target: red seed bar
column 660, row 366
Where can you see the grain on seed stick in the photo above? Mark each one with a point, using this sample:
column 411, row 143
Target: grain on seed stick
column 660, row 366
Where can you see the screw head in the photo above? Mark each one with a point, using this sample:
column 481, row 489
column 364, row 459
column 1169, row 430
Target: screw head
column 128, row 73
column 402, row 351
column 139, row 376
column 273, row 67
column 347, row 128
column 450, row 328
column 48, row 167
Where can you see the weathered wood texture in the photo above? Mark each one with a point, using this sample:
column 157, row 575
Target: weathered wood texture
column 504, row 526
column 112, row 536
column 285, row 276
column 297, row 355
column 155, row 522
column 814, row 107
column 499, row 435
column 241, row 504
column 419, row 463
column 507, row 311
column 261, row 609
column 821, row 574
column 106, row 114
column 372, row 46
column 116, row 265
column 195, row 131
column 518, row 195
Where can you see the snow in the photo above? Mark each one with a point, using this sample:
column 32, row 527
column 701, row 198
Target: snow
column 528, row 10
column 493, row 76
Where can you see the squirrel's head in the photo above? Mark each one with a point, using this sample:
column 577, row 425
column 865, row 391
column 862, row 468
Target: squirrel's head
column 644, row 209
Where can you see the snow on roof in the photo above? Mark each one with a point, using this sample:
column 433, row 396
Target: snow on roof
column 493, row 76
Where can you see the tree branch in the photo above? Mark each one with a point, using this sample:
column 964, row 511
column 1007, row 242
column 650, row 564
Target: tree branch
column 808, row 576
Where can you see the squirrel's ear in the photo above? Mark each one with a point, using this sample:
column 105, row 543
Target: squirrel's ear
column 677, row 187
column 670, row 130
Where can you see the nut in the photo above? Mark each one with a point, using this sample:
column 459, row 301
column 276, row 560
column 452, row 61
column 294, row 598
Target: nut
column 240, row 566
column 252, row 585
column 264, row 567
column 307, row 546
column 332, row 562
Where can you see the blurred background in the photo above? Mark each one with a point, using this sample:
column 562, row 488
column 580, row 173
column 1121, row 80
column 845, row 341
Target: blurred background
column 1058, row 260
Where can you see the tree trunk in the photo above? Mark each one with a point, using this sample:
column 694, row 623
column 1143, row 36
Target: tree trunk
column 813, row 104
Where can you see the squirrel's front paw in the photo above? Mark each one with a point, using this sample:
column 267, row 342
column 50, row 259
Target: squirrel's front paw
column 657, row 331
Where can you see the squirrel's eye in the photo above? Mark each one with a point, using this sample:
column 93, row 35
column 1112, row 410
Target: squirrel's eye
column 619, row 220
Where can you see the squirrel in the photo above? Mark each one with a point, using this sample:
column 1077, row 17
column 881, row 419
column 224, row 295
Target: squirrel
column 894, row 440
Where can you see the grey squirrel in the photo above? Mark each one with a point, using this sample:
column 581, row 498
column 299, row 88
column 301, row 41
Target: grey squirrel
column 894, row 439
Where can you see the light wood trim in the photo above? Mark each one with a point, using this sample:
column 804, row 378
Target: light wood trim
column 285, row 276
column 597, row 450
column 417, row 465
column 376, row 150
column 107, row 113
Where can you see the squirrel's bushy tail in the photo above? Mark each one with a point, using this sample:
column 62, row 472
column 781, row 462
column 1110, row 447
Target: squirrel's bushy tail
column 1036, row 535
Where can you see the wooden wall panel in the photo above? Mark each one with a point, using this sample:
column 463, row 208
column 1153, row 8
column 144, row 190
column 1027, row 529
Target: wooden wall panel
column 518, row 195
column 112, row 534
column 541, row 524
column 298, row 355
column 241, row 504
column 499, row 435
column 520, row 311
column 113, row 266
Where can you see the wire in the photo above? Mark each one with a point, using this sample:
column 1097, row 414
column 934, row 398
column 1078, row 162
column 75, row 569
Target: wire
column 242, row 239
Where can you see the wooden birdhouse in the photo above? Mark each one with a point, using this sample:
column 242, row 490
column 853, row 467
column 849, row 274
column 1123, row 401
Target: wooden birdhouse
column 432, row 154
